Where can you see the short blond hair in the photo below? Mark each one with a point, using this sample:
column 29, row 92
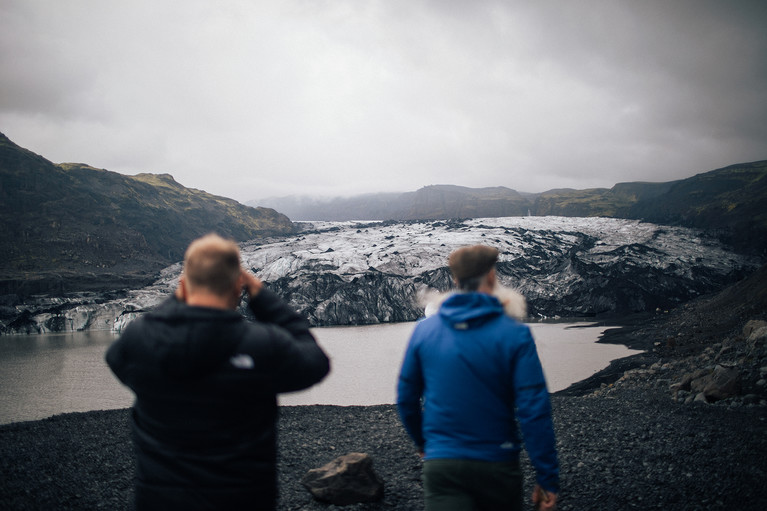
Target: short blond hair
column 213, row 264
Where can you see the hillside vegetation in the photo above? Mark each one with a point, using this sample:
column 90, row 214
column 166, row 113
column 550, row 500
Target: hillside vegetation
column 72, row 227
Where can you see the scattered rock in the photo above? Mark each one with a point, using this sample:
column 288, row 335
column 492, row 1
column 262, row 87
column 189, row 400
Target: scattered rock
column 752, row 326
column 757, row 337
column 348, row 479
column 720, row 383
column 700, row 398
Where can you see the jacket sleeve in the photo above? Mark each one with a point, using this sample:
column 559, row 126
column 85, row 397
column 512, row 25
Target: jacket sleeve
column 119, row 357
column 533, row 410
column 409, row 391
column 116, row 359
column 300, row 361
column 268, row 307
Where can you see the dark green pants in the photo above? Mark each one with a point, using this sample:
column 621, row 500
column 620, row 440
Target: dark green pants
column 470, row 485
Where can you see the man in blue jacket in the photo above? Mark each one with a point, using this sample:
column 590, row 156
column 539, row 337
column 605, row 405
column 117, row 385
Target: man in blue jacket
column 470, row 381
column 206, row 380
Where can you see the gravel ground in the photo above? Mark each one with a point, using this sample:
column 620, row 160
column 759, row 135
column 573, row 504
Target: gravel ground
column 637, row 450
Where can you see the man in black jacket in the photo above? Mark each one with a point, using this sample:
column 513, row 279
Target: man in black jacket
column 206, row 381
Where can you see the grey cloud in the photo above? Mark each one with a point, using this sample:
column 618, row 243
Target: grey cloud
column 272, row 98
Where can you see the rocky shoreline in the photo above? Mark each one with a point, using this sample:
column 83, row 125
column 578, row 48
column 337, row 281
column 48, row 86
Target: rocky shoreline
column 629, row 437
column 713, row 349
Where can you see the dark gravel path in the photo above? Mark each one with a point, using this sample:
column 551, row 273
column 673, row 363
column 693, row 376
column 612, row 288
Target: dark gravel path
column 638, row 450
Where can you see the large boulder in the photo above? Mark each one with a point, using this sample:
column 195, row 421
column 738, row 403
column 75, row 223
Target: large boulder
column 756, row 336
column 348, row 479
column 753, row 326
column 720, row 383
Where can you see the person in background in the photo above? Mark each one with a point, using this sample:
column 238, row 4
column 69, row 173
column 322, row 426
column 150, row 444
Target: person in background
column 206, row 381
column 470, row 381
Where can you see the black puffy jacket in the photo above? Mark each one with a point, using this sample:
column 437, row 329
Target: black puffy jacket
column 206, row 381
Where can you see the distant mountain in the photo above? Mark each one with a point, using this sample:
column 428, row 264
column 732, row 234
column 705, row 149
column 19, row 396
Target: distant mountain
column 73, row 227
column 731, row 201
column 440, row 202
column 429, row 203
column 373, row 206
column 444, row 201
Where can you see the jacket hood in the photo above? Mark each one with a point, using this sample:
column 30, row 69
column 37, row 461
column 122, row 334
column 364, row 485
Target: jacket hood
column 513, row 303
column 467, row 310
column 191, row 341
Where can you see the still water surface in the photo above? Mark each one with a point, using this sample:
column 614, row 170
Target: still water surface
column 44, row 375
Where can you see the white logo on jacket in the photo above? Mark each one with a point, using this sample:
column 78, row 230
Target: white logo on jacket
column 242, row 361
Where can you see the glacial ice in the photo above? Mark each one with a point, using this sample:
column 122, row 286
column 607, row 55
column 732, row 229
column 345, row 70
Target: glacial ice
column 359, row 273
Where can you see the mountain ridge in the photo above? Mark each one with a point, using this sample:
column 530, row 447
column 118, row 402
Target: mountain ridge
column 729, row 200
column 73, row 227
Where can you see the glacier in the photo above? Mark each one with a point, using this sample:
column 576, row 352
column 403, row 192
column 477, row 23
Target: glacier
column 357, row 273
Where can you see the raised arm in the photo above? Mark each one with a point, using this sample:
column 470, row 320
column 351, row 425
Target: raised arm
column 302, row 362
column 268, row 307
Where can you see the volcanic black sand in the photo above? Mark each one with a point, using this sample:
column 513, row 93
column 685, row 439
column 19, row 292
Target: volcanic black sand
column 637, row 451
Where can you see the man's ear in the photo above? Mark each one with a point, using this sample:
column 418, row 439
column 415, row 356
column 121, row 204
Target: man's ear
column 491, row 279
column 181, row 291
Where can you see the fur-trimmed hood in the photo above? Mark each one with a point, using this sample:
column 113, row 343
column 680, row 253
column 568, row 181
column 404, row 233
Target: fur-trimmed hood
column 514, row 304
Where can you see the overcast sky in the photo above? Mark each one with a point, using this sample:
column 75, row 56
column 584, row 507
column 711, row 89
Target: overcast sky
column 251, row 99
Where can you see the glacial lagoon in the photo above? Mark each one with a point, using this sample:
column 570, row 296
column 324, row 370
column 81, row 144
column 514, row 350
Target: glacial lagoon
column 49, row 374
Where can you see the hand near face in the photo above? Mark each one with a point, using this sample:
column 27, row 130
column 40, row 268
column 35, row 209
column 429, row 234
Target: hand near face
column 251, row 283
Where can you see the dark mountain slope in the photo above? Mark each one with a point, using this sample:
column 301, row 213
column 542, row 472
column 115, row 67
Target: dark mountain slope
column 73, row 227
column 732, row 200
column 589, row 202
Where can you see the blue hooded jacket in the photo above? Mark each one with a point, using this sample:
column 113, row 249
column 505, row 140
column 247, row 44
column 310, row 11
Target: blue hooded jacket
column 470, row 380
